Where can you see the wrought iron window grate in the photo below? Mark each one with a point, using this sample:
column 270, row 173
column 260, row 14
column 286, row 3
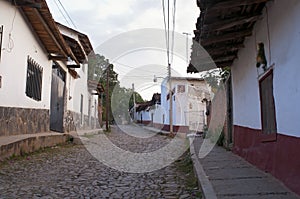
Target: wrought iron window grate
column 34, row 80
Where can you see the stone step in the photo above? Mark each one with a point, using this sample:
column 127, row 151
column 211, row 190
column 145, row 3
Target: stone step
column 22, row 144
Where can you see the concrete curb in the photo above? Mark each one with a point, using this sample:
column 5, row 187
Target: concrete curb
column 205, row 185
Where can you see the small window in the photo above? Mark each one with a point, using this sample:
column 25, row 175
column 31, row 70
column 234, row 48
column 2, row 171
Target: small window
column 181, row 88
column 34, row 80
column 268, row 114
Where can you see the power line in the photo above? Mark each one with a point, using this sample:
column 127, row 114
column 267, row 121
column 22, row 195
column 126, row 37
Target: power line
column 67, row 13
column 61, row 12
column 127, row 66
column 173, row 32
column 165, row 23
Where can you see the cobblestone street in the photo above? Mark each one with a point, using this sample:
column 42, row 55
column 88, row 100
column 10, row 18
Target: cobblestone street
column 72, row 172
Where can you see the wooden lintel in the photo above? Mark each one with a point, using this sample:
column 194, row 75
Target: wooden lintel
column 227, row 4
column 229, row 23
column 226, row 37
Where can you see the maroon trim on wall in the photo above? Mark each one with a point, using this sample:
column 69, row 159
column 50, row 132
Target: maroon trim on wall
column 164, row 127
column 144, row 122
column 181, row 129
column 280, row 158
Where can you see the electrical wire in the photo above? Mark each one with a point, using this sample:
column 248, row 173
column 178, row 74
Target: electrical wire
column 67, row 14
column 127, row 66
column 10, row 44
column 165, row 23
column 168, row 48
column 173, row 31
column 61, row 12
column 169, row 44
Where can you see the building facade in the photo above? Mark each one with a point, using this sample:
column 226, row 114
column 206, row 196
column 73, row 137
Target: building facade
column 264, row 36
column 35, row 78
column 189, row 97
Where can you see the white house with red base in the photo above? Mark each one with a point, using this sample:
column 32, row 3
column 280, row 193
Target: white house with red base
column 264, row 36
column 266, row 104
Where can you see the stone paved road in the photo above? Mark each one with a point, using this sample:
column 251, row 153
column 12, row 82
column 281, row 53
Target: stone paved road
column 71, row 172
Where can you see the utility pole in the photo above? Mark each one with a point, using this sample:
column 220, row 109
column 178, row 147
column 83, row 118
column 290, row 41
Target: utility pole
column 187, row 46
column 134, row 110
column 107, row 97
column 171, row 99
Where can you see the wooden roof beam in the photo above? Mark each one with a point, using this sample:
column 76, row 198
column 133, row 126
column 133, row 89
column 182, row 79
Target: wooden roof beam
column 57, row 57
column 231, row 47
column 49, row 32
column 223, row 5
column 229, row 23
column 219, row 59
column 27, row 3
column 226, row 37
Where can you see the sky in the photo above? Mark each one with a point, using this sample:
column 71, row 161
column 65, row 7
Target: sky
column 105, row 21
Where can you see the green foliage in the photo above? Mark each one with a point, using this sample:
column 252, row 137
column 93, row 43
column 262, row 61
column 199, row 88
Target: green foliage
column 185, row 165
column 120, row 98
column 138, row 99
column 215, row 77
column 97, row 64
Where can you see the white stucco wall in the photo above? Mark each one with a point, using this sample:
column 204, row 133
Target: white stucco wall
column 78, row 87
column 284, row 43
column 182, row 114
column 13, row 65
column 158, row 113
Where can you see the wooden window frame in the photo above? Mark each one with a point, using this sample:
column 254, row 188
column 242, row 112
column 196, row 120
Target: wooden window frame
column 271, row 137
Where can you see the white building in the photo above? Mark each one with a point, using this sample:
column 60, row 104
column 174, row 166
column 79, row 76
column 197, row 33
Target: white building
column 266, row 111
column 266, row 106
column 82, row 105
column 189, row 106
column 34, row 78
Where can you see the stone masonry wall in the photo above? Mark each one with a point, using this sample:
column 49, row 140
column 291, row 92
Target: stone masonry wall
column 16, row 121
column 72, row 122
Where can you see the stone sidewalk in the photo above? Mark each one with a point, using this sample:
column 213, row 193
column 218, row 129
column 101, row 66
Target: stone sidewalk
column 225, row 175
column 21, row 144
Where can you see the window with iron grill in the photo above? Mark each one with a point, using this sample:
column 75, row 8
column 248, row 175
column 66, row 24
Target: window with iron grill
column 34, row 80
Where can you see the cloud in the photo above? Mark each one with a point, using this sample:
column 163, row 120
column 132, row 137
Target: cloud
column 101, row 20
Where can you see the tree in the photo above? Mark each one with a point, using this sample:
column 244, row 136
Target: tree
column 97, row 64
column 216, row 78
column 120, row 98
column 138, row 99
